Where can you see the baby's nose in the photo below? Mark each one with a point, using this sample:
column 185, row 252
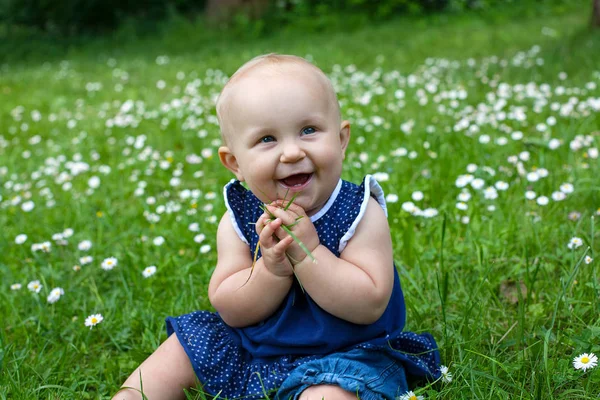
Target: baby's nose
column 291, row 152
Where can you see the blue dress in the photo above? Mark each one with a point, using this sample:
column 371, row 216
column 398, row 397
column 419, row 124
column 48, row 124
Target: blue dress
column 253, row 361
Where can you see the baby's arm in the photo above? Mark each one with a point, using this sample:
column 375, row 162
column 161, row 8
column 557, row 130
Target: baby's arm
column 239, row 301
column 356, row 286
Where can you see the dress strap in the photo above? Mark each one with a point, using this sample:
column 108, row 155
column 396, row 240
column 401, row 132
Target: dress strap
column 371, row 188
column 231, row 194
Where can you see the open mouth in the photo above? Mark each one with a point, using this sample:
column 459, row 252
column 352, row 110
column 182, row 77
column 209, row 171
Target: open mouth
column 296, row 182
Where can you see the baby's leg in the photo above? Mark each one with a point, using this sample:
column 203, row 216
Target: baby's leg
column 164, row 374
column 327, row 392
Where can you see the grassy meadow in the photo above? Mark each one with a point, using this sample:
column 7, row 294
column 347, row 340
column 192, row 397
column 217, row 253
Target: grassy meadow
column 483, row 132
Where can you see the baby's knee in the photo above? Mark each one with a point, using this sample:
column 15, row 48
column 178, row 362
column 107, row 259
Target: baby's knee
column 326, row 392
column 128, row 394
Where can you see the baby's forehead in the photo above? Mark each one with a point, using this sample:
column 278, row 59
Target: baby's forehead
column 280, row 70
column 252, row 77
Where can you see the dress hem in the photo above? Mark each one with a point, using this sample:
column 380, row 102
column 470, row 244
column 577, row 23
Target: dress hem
column 173, row 327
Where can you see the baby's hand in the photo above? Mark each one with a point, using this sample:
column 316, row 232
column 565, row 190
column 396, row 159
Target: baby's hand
column 272, row 247
column 302, row 227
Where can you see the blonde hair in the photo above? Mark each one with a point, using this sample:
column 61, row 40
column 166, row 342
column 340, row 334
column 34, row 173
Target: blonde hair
column 274, row 62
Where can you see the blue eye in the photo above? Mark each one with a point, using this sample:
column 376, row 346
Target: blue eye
column 308, row 130
column 267, row 139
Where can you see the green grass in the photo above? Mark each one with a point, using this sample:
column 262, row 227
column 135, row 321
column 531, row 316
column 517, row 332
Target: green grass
column 495, row 349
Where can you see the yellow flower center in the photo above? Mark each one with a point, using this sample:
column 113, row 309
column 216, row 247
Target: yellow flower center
column 99, row 214
column 94, row 320
column 585, row 360
column 413, row 397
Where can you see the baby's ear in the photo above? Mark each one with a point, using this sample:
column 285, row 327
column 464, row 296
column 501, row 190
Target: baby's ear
column 230, row 162
column 344, row 136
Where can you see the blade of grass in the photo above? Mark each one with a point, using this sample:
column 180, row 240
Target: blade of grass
column 291, row 200
column 253, row 262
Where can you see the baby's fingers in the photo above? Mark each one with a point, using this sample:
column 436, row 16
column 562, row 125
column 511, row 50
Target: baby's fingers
column 286, row 217
column 261, row 222
column 266, row 235
column 282, row 246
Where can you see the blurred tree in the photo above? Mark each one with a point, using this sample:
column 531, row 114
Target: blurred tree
column 218, row 10
column 69, row 17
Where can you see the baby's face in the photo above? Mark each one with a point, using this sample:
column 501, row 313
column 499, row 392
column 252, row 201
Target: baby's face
column 284, row 136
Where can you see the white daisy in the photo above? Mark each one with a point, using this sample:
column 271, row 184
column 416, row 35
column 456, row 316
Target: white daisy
column 430, row 212
column 86, row 260
column 417, row 196
column 501, row 185
column 463, row 180
column 574, row 243
column 517, row 135
column 93, row 320
column 381, row 176
column 408, row 206
column 205, row 249
column 553, row 144
column 542, row 172
column 34, row 286
column 530, row 195
column 464, row 196
column 20, row 239
column 149, row 271
column 533, row 176
column 109, row 263
column 15, row 286
column 446, row 374
column 410, row 396
column 477, row 183
column 28, row 206
column 84, row 245
column 55, row 295
column 471, row 168
column 391, row 198
column 566, row 188
column 558, row 196
column 585, row 361
column 158, row 241
column 542, row 200
column 44, row 247
column 199, row 238
column 94, row 182
column 588, row 259
column 490, row 193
